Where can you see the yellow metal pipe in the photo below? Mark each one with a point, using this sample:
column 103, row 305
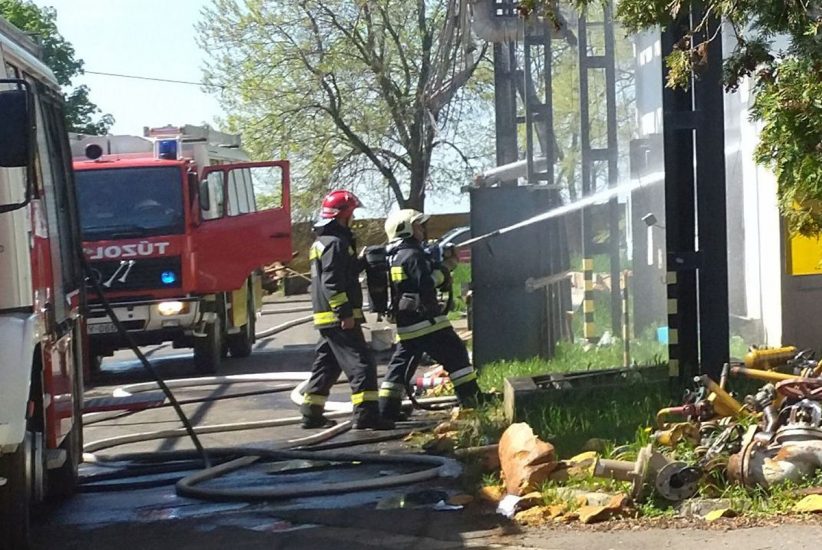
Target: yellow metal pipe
column 764, row 375
column 768, row 358
column 724, row 404
column 660, row 416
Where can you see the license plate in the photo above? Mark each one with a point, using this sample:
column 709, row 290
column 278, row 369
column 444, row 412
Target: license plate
column 102, row 328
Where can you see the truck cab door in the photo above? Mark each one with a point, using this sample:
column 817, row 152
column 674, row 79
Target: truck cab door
column 245, row 223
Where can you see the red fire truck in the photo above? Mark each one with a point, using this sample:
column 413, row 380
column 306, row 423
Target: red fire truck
column 176, row 226
column 42, row 330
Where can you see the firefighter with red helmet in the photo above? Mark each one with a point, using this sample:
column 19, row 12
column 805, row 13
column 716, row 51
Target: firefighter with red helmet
column 422, row 325
column 336, row 298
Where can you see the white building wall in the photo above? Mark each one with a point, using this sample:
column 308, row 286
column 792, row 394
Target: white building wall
column 763, row 234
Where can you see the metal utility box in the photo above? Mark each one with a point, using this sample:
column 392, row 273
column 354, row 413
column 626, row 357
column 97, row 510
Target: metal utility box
column 511, row 320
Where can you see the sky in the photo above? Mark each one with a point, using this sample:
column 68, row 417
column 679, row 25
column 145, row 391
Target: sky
column 152, row 38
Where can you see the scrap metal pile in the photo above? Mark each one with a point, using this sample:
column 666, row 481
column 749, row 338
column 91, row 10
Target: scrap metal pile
column 771, row 436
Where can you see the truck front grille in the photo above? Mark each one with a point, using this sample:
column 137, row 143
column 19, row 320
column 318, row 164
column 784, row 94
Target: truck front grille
column 141, row 274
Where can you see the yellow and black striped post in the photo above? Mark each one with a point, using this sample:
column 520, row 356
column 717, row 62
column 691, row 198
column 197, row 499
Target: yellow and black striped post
column 673, row 325
column 626, row 322
column 589, row 328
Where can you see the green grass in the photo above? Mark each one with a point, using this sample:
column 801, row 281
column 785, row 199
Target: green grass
column 620, row 418
column 461, row 276
column 613, row 416
column 569, row 420
column 572, row 357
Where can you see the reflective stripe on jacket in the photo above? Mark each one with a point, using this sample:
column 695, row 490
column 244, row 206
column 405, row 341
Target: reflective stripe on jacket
column 335, row 286
column 413, row 276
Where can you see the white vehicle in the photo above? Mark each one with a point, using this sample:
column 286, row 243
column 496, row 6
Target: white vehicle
column 42, row 329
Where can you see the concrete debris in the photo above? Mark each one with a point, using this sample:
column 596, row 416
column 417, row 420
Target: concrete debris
column 583, row 498
column 530, row 500
column 510, row 505
column 535, row 516
column 581, row 465
column 701, row 507
column 526, row 460
column 617, row 506
column 809, row 504
column 714, row 515
column 556, row 510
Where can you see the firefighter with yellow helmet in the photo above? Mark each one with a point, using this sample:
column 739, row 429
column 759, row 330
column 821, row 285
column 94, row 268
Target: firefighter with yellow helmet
column 422, row 325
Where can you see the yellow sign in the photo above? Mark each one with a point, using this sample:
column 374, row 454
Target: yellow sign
column 805, row 255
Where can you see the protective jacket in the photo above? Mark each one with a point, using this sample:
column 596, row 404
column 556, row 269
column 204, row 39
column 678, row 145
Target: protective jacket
column 414, row 283
column 335, row 287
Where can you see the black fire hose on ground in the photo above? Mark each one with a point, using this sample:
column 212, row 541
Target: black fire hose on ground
column 189, row 485
column 145, row 362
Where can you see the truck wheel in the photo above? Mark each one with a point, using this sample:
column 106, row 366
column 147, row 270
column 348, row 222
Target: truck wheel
column 208, row 349
column 242, row 343
column 62, row 482
column 15, row 496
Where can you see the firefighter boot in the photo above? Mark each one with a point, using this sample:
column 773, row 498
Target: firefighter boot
column 314, row 418
column 367, row 417
column 392, row 409
column 469, row 395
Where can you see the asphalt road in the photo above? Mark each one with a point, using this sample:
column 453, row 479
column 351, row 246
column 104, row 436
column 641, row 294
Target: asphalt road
column 109, row 515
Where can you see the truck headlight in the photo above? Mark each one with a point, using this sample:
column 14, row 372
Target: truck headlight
column 167, row 309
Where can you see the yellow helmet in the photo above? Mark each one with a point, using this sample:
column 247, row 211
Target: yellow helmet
column 400, row 224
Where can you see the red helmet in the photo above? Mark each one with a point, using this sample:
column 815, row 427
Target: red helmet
column 339, row 204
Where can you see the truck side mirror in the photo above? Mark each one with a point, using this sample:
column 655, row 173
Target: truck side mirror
column 205, row 196
column 16, row 134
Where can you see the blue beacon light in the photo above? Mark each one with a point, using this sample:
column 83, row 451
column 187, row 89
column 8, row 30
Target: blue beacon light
column 167, row 149
column 168, row 277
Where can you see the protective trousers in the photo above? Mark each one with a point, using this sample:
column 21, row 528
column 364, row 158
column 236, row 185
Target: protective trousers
column 342, row 350
column 445, row 347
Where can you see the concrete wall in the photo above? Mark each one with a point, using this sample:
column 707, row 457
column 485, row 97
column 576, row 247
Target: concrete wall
column 754, row 231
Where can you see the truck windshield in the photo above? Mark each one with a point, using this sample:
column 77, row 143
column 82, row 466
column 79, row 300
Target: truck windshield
column 130, row 202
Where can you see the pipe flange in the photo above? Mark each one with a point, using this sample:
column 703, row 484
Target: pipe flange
column 796, row 434
column 677, row 481
column 739, row 463
column 641, row 473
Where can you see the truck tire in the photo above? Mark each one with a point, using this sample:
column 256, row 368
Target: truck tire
column 242, row 343
column 62, row 481
column 15, row 496
column 208, row 349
